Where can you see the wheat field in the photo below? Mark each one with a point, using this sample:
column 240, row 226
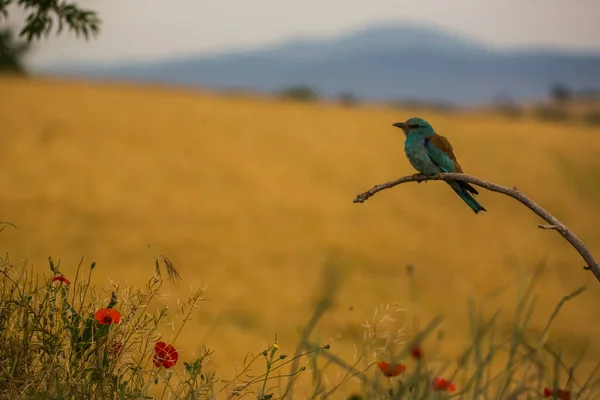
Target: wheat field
column 251, row 196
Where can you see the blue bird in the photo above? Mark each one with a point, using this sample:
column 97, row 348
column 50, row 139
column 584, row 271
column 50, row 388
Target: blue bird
column 432, row 154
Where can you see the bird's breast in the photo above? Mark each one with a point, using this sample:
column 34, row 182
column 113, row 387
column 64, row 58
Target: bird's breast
column 417, row 154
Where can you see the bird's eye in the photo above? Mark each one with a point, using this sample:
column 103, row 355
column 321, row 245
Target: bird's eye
column 413, row 126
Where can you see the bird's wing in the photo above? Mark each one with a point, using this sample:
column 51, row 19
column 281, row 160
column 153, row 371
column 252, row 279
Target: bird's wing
column 441, row 153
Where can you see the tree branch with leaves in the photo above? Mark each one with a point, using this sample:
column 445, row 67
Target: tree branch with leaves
column 43, row 18
column 46, row 16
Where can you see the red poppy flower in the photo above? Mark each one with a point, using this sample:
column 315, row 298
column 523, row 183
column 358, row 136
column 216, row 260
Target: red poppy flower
column 393, row 369
column 107, row 316
column 558, row 393
column 115, row 348
column 416, row 353
column 166, row 355
column 62, row 279
column 443, row 385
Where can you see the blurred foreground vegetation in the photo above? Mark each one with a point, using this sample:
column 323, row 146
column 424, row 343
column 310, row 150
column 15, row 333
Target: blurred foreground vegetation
column 67, row 338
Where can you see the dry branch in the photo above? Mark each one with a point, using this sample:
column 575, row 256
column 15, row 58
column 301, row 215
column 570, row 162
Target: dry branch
column 553, row 223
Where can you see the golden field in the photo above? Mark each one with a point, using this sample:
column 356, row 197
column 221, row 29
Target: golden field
column 252, row 195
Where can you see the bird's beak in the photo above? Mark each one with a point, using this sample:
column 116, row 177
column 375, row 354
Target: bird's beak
column 401, row 125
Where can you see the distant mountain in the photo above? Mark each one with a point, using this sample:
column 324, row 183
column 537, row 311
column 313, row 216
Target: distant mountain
column 377, row 63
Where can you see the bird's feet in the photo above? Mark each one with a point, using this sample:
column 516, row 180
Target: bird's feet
column 418, row 178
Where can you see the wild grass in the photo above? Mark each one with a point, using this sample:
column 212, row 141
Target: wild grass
column 55, row 346
column 58, row 343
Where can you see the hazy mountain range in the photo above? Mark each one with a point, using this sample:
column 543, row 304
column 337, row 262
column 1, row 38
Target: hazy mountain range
column 378, row 63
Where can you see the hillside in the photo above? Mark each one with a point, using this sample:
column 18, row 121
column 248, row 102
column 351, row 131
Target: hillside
column 253, row 195
column 385, row 62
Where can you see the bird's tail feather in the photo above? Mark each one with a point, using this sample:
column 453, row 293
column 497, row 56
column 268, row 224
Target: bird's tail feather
column 468, row 198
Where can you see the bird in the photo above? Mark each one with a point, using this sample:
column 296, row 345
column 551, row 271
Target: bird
column 431, row 154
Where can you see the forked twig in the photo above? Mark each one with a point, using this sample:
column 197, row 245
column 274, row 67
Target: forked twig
column 553, row 222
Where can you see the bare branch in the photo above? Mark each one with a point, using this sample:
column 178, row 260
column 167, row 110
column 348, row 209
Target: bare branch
column 548, row 227
column 554, row 223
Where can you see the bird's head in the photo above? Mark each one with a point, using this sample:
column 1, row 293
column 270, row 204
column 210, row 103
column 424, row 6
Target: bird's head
column 414, row 124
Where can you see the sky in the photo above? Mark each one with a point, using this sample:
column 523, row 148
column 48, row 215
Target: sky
column 138, row 30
